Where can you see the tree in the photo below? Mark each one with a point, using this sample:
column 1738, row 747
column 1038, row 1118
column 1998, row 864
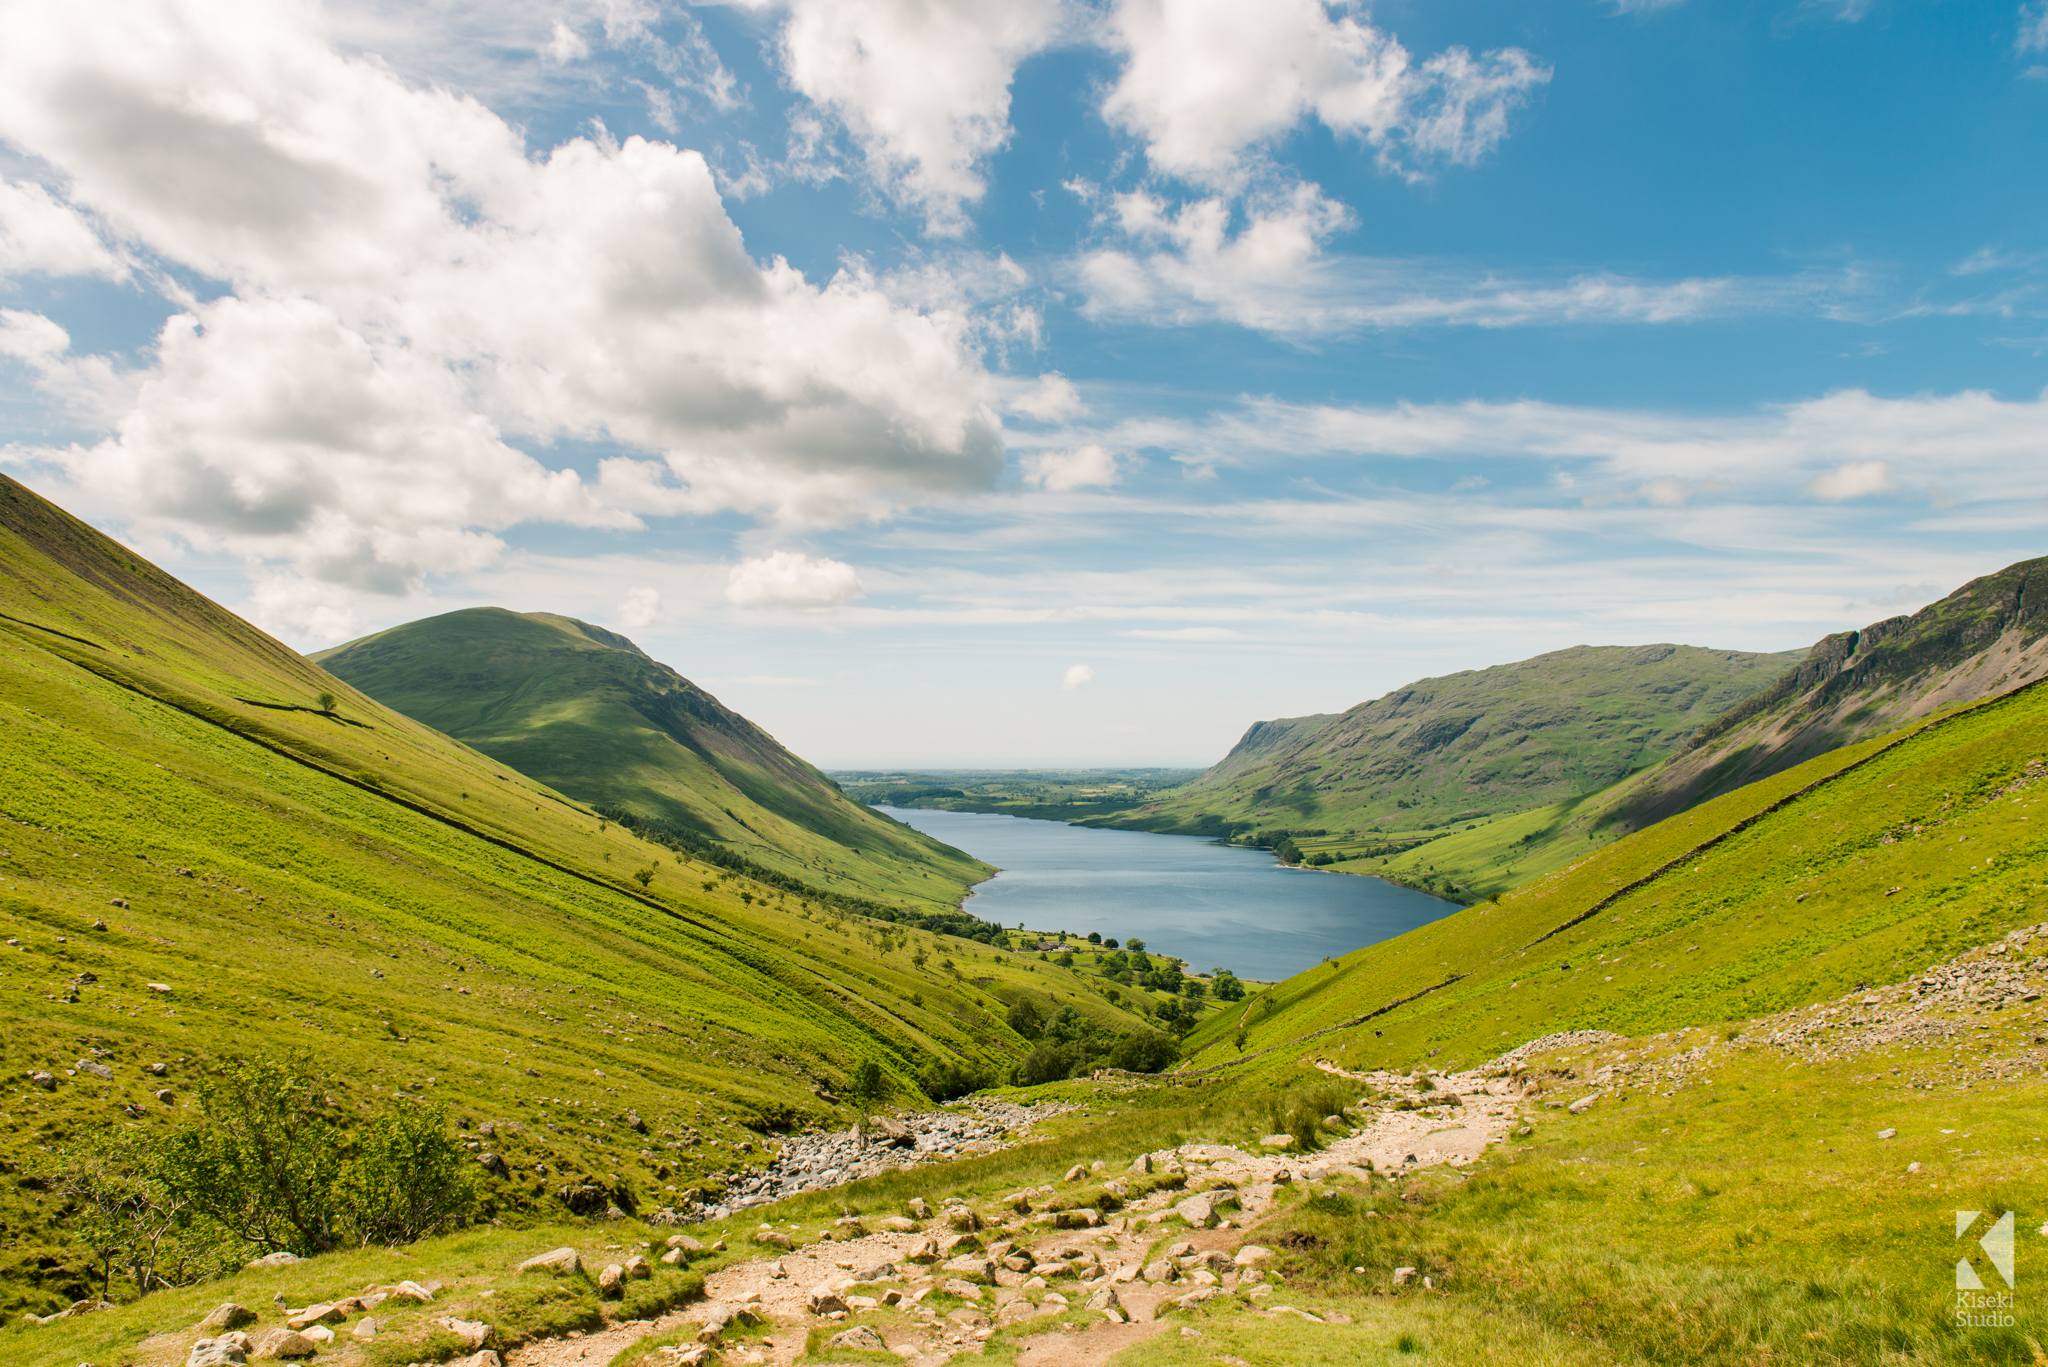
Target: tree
column 1109, row 944
column 644, row 876
column 1094, row 937
column 1226, row 987
column 1137, row 946
column 326, row 701
column 867, row 1088
column 1025, row 1019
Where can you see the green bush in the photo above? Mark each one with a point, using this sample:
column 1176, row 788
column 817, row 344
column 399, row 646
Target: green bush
column 269, row 1164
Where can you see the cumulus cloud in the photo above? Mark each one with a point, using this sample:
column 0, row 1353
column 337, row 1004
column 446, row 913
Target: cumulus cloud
column 642, row 608
column 922, row 85
column 793, row 580
column 1052, row 399
column 1087, row 466
column 1207, row 82
column 42, row 235
column 414, row 307
column 1075, row 676
column 1854, row 480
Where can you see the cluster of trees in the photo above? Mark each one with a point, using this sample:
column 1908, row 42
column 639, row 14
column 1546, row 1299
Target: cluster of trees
column 1065, row 1044
column 269, row 1165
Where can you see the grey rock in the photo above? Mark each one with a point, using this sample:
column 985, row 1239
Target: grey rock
column 98, row 1070
column 611, row 1282
column 282, row 1258
column 861, row 1338
column 43, row 1080
column 283, row 1343
column 216, row 1353
column 562, row 1262
column 227, row 1315
column 823, row 1300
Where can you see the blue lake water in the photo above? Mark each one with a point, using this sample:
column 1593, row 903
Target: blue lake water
column 1213, row 905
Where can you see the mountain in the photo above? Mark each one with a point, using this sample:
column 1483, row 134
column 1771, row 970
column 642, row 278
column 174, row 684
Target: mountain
column 1467, row 745
column 201, row 858
column 1989, row 636
column 586, row 712
column 1984, row 639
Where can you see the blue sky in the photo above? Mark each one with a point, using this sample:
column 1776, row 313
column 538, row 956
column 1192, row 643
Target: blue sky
column 1043, row 383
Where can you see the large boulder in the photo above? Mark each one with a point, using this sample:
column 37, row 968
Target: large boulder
column 284, row 1344
column 892, row 1132
column 823, row 1300
column 973, row 1267
column 860, row 1339
column 227, row 1315
column 1198, row 1210
column 318, row 1313
column 612, row 1281
column 217, row 1353
column 281, row 1258
column 560, row 1262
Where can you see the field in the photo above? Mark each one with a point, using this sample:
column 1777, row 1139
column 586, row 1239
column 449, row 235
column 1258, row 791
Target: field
column 1043, row 794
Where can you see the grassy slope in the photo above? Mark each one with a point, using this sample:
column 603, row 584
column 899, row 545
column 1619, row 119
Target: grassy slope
column 1472, row 744
column 401, row 905
column 1900, row 856
column 1749, row 1217
column 1989, row 636
column 584, row 711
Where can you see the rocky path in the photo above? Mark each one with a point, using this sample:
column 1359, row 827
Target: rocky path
column 1006, row 1263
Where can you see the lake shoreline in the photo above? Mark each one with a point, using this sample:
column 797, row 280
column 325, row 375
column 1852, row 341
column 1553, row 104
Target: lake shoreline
column 1193, row 898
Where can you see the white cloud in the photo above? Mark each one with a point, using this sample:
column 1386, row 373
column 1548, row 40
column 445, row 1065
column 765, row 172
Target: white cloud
column 2033, row 28
column 1208, row 82
column 411, row 298
column 1083, row 467
column 922, row 85
column 642, row 608
column 1854, row 480
column 1075, row 676
column 1052, row 399
column 85, row 386
column 1200, row 263
column 40, row 234
column 1186, row 634
column 1975, row 446
column 791, row 579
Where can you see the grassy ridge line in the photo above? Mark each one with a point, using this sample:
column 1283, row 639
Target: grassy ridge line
column 1745, row 823
column 1762, row 945
column 201, row 713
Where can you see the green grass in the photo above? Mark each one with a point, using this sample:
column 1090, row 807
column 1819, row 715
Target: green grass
column 1831, row 889
column 1038, row 794
column 1484, row 742
column 584, row 711
column 455, row 931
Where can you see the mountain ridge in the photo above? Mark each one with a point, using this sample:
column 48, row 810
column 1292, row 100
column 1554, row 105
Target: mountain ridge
column 589, row 713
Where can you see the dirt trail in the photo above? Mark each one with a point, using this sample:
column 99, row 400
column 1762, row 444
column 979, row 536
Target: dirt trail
column 778, row 1289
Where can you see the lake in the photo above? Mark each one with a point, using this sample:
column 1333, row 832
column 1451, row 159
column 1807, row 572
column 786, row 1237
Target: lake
column 1216, row 906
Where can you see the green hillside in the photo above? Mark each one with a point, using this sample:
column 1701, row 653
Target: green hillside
column 1465, row 746
column 1858, row 867
column 197, row 860
column 584, row 711
column 1040, row 794
column 1988, row 637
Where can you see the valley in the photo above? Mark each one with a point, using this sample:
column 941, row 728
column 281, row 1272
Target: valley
column 1751, row 1021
